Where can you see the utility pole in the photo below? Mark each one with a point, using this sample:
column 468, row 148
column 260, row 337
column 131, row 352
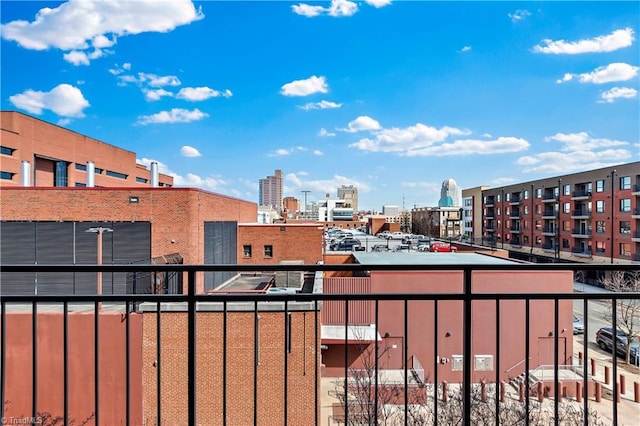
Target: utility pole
column 304, row 214
column 99, row 231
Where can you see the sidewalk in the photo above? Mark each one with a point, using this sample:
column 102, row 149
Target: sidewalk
column 588, row 288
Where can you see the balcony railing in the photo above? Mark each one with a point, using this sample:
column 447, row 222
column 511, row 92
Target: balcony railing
column 580, row 194
column 254, row 357
column 581, row 213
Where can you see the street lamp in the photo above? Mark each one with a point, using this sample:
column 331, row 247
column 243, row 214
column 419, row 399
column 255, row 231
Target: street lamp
column 99, row 231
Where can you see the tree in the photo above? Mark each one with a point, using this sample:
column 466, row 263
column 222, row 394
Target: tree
column 627, row 310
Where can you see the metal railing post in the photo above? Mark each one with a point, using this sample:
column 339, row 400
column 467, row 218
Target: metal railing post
column 191, row 367
column 467, row 348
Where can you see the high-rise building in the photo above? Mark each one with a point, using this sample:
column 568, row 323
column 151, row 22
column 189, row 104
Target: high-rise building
column 271, row 191
column 349, row 194
column 449, row 194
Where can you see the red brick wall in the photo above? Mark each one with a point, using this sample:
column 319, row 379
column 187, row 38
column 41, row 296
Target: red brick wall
column 50, row 373
column 289, row 242
column 240, row 366
column 29, row 136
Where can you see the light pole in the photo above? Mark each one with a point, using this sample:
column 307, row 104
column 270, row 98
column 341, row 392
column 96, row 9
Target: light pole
column 99, row 231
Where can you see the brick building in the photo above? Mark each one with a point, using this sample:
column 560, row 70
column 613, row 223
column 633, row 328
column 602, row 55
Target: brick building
column 41, row 154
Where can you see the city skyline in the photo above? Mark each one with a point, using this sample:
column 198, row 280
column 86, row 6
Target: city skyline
column 390, row 97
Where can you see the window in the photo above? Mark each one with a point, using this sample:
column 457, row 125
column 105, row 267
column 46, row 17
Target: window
column 567, row 190
column 538, row 241
column 498, row 223
column 556, row 191
column 600, row 246
column 60, row 176
column 507, row 197
column 625, row 205
column 625, row 182
column 82, row 167
column 246, row 250
column 625, row 249
column 566, row 225
column 116, row 174
column 141, row 180
column 566, row 207
column 6, row 175
column 600, row 206
column 600, row 186
column 526, row 209
column 538, row 224
column 538, row 208
column 525, row 239
column 6, row 150
column 506, row 211
column 268, row 251
column 498, row 211
column 498, row 197
column 539, row 193
column 625, row 227
column 526, row 194
column 600, row 227
column 565, row 243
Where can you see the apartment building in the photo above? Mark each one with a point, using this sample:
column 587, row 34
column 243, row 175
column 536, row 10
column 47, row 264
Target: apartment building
column 349, row 193
column 591, row 217
column 36, row 153
column 270, row 191
column 472, row 213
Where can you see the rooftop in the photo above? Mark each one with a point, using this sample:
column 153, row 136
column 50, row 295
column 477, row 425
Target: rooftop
column 423, row 258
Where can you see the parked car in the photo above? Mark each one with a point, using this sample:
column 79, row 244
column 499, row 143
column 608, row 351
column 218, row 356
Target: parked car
column 380, row 248
column 578, row 326
column 604, row 339
column 397, row 235
column 383, row 234
column 346, row 244
column 438, row 246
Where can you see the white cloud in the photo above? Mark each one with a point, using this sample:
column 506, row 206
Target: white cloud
column 502, row 181
column 152, row 80
column 305, row 87
column 298, row 181
column 324, row 133
column 618, row 71
column 604, row 43
column 280, row 152
column 192, row 180
column 156, row 94
column 117, row 69
column 320, row 105
column 79, row 25
column 378, row 3
column 519, row 15
column 201, row 93
column 423, row 140
column 76, row 58
column 362, row 123
column 465, row 49
column 64, row 100
column 317, row 152
column 578, row 151
column 307, row 10
column 189, row 151
column 337, row 8
column 176, row 115
column 614, row 93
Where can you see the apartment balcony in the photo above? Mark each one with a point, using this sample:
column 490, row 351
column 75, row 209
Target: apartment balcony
column 514, row 229
column 549, row 213
column 636, row 213
column 581, row 195
column 580, row 214
column 515, row 214
column 579, row 252
column 635, row 190
column 549, row 231
column 515, row 201
column 636, row 237
column 581, row 233
column 254, row 357
column 549, row 198
column 490, row 201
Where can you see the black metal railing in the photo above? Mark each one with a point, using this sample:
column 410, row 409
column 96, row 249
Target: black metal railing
column 256, row 305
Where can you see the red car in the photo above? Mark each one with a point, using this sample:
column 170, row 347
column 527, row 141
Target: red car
column 442, row 247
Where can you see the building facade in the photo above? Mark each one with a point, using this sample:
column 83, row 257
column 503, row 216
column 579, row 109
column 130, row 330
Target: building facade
column 591, row 217
column 472, row 213
column 270, row 191
column 349, row 194
column 437, row 222
column 35, row 153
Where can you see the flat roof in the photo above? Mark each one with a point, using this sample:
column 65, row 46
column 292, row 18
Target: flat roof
column 427, row 258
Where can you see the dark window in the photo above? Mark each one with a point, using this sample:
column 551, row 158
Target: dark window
column 60, row 176
column 246, row 250
column 565, row 243
column 625, row 227
column 6, row 150
column 141, row 180
column 116, row 174
column 268, row 251
column 80, row 185
column 81, row 167
column 600, row 227
column 6, row 175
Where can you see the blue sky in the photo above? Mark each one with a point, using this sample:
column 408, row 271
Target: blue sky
column 391, row 97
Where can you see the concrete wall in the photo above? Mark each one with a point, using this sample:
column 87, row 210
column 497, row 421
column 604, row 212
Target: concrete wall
column 81, row 383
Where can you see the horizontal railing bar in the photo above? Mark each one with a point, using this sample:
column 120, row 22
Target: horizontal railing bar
column 510, row 266
column 310, row 297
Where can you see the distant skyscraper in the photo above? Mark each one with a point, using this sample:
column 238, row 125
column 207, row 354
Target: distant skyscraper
column 349, row 194
column 449, row 194
column 271, row 191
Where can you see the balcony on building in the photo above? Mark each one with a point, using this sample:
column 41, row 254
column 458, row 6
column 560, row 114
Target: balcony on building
column 491, row 201
column 515, row 213
column 581, row 252
column 549, row 230
column 515, row 199
column 549, row 196
column 549, row 247
column 636, row 213
column 549, row 213
column 580, row 214
column 581, row 233
column 636, row 237
column 581, row 194
column 635, row 189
